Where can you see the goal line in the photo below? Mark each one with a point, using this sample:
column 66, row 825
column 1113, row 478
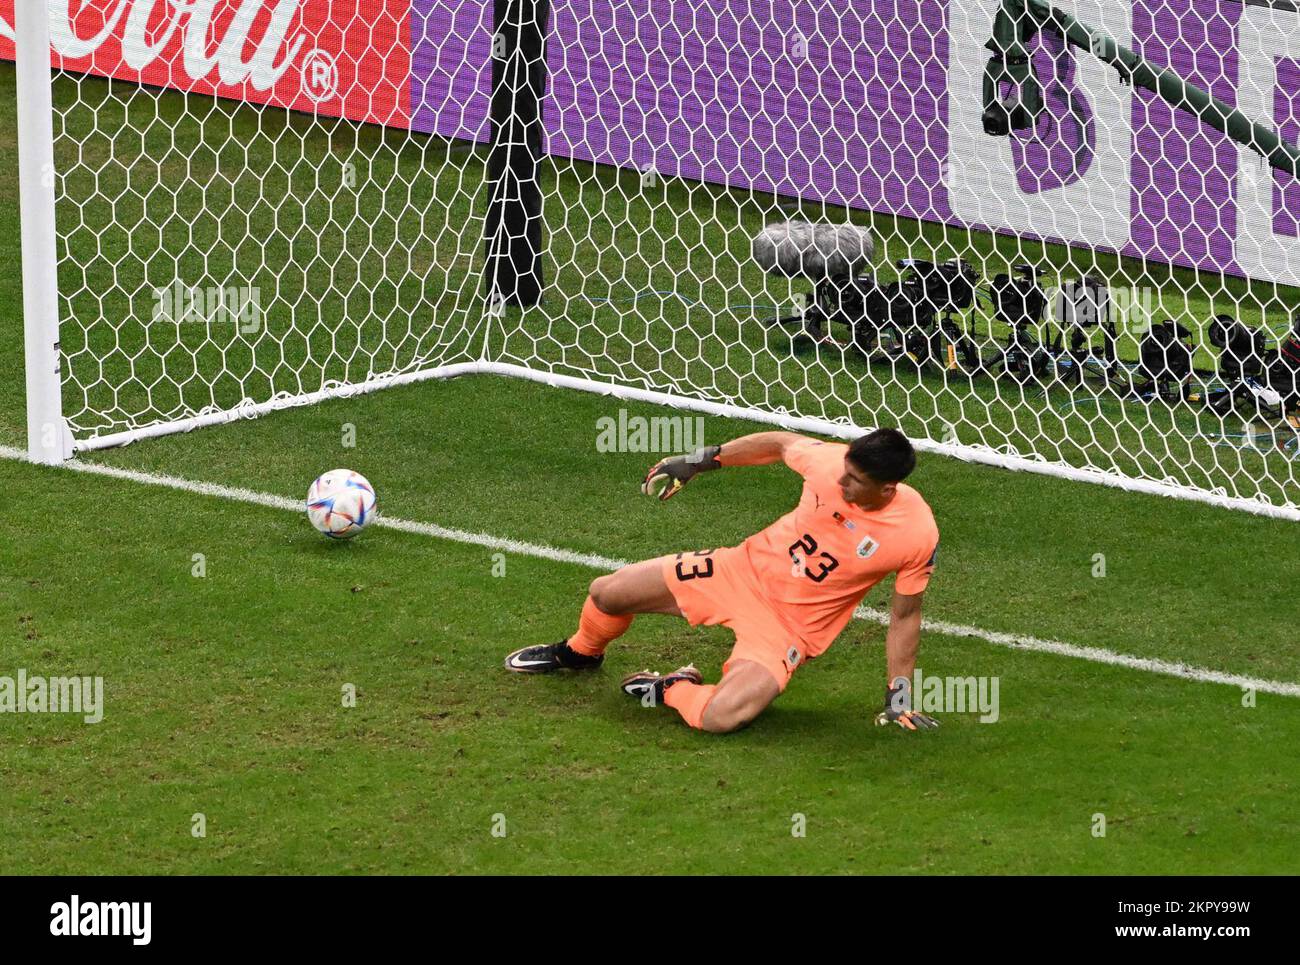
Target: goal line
column 975, row 454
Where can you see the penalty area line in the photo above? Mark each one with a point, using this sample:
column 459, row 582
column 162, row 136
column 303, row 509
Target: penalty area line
column 1011, row 641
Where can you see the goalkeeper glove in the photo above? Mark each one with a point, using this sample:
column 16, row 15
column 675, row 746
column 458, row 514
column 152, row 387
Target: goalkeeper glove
column 898, row 708
column 668, row 476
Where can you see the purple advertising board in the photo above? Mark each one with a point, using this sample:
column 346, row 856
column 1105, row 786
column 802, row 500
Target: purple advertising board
column 875, row 104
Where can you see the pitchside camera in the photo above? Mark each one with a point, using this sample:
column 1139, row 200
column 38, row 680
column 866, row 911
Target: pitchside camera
column 1008, row 114
column 1083, row 307
column 924, row 291
column 1018, row 299
column 1242, row 350
column 1286, row 369
column 1253, row 373
column 1012, row 94
column 1165, row 356
column 945, row 287
column 914, row 315
column 835, row 258
column 1019, row 302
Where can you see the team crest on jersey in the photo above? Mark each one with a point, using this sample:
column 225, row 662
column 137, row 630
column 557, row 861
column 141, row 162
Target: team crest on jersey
column 792, row 657
column 867, row 547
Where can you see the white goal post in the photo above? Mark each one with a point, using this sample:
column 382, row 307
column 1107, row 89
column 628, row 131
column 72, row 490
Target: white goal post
column 1055, row 237
column 48, row 439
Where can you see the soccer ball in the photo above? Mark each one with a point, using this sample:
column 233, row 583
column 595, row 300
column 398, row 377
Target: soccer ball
column 340, row 503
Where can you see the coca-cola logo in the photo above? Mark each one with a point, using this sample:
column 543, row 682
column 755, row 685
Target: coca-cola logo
column 210, row 39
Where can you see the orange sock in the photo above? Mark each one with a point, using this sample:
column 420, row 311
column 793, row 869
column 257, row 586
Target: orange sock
column 689, row 700
column 596, row 629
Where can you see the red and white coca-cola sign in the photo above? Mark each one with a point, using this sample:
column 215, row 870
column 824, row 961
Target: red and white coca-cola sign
column 344, row 58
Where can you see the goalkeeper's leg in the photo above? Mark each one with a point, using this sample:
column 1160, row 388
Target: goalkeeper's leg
column 744, row 692
column 614, row 599
column 611, row 603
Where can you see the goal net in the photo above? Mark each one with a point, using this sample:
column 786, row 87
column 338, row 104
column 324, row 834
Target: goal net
column 1057, row 237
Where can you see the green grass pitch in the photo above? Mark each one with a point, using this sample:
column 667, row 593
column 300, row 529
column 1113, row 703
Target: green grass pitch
column 223, row 692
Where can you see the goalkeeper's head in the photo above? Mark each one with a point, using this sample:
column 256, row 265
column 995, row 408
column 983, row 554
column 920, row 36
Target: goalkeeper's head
column 874, row 466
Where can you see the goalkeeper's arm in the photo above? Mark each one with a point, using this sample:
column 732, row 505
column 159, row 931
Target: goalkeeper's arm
column 902, row 641
column 667, row 477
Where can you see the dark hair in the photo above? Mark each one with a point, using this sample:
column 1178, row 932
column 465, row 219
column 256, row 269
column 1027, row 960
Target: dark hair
column 885, row 455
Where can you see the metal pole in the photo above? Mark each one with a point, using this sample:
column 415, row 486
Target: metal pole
column 48, row 440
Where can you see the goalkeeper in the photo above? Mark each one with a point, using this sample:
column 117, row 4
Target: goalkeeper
column 786, row 592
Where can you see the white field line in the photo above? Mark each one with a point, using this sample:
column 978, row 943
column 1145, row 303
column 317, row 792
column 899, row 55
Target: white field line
column 541, row 551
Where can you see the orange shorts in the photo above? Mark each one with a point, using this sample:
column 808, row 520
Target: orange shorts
column 718, row 587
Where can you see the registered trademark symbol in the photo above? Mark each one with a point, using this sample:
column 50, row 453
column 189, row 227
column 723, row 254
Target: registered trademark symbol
column 320, row 75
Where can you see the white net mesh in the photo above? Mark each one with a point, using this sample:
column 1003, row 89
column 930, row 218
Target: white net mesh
column 217, row 252
column 278, row 197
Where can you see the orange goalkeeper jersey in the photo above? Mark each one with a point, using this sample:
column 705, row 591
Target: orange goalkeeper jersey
column 816, row 563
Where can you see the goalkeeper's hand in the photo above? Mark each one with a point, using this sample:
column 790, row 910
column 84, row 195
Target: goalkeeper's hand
column 898, row 708
column 668, row 476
